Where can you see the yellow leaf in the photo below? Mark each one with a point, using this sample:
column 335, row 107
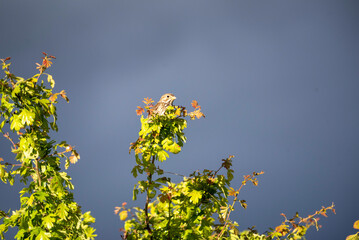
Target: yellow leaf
column 147, row 101
column 74, row 157
column 64, row 96
column 178, row 112
column 232, row 192
column 123, row 215
column 356, row 224
column 53, row 97
column 30, row 200
column 51, row 81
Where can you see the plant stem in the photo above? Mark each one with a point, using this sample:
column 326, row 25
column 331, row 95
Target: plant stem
column 148, row 199
column 169, row 220
column 38, row 172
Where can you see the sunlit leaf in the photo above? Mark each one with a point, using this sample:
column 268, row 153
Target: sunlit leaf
column 64, row 96
column 43, row 236
column 46, row 62
column 356, row 224
column 194, row 104
column 232, row 192
column 195, row 196
column 88, row 218
column 48, row 221
column 123, row 215
column 73, row 159
column 51, row 81
column 162, row 155
column 27, row 117
column 148, row 101
column 139, row 110
column 352, row 237
column 62, row 211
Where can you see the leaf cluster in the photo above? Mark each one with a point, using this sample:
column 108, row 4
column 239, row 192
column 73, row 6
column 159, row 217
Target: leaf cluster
column 354, row 236
column 198, row 207
column 48, row 209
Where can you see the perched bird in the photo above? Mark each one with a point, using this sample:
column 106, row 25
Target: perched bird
column 165, row 101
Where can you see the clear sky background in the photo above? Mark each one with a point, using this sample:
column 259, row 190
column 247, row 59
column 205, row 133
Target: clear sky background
column 277, row 80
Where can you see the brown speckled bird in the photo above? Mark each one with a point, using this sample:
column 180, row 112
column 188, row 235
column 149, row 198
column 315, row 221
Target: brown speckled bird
column 165, row 101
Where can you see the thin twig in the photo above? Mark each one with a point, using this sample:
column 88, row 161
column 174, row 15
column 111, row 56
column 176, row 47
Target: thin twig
column 37, row 171
column 174, row 173
column 6, row 135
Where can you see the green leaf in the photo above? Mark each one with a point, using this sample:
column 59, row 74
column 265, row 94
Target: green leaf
column 88, row 218
column 174, row 148
column 4, row 103
column 353, row 237
column 195, row 196
column 30, row 200
column 51, row 80
column 43, row 236
column 27, row 117
column 89, row 231
column 48, row 221
column 41, row 196
column 20, row 234
column 2, row 171
column 62, row 211
column 162, row 155
column 16, row 123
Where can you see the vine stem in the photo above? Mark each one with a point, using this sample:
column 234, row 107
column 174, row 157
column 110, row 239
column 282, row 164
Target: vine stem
column 230, row 211
column 147, row 219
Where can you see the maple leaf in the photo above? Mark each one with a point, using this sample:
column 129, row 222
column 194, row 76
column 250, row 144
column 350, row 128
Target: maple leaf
column 243, row 203
column 199, row 114
column 232, row 192
column 46, row 62
column 117, row 209
column 138, row 151
column 282, row 229
column 74, row 157
column 147, row 101
column 40, row 67
column 63, row 95
column 227, row 163
column 194, row 104
column 178, row 112
column 53, row 97
column 140, row 110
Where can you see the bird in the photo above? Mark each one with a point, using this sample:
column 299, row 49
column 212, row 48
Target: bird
column 165, row 101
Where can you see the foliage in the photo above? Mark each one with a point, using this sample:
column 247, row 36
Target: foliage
column 200, row 206
column 354, row 236
column 48, row 209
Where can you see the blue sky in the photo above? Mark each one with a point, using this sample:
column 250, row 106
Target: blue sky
column 277, row 80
